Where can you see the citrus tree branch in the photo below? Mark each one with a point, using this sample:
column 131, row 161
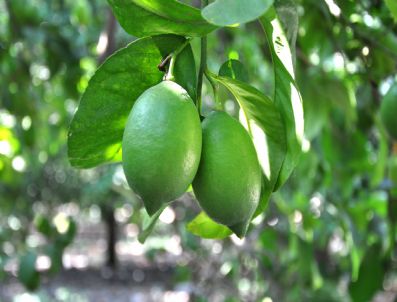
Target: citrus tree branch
column 203, row 66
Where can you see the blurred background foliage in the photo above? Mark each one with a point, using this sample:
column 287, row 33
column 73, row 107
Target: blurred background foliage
column 327, row 235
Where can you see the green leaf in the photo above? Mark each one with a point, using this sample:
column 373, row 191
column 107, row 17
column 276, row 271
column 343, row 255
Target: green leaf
column 27, row 273
column 268, row 239
column 262, row 119
column 286, row 96
column 392, row 5
column 205, row 227
column 234, row 69
column 97, row 128
column 287, row 11
column 148, row 223
column 382, row 156
column 142, row 18
column 230, row 12
column 55, row 252
column 370, row 277
column 43, row 225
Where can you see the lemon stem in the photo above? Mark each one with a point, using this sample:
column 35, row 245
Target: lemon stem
column 171, row 58
column 203, row 67
column 170, row 72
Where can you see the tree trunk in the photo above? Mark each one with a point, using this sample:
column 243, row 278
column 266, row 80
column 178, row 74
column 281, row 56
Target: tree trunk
column 108, row 211
column 111, row 235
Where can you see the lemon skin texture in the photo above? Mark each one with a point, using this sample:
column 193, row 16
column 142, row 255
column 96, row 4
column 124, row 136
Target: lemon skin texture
column 161, row 145
column 388, row 111
column 228, row 181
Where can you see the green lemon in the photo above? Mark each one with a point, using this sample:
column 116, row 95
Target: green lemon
column 161, row 144
column 228, row 181
column 388, row 111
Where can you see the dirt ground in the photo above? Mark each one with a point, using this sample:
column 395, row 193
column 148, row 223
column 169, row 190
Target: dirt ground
column 137, row 278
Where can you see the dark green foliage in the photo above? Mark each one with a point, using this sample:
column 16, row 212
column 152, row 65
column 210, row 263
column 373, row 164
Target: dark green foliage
column 370, row 276
column 234, row 69
column 27, row 273
column 142, row 18
column 388, row 111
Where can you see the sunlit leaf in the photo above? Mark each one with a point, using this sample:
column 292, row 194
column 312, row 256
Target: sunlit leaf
column 142, row 18
column 205, row 227
column 229, row 12
column 286, row 96
column 287, row 11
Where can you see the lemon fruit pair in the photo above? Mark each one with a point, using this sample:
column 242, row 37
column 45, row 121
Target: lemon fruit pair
column 165, row 149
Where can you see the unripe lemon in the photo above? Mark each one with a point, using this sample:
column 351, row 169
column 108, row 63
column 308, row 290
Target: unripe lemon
column 228, row 181
column 388, row 111
column 161, row 144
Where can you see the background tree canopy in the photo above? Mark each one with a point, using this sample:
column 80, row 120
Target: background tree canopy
column 327, row 235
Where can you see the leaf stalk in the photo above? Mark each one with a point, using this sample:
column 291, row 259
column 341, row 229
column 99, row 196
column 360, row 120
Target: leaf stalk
column 171, row 58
